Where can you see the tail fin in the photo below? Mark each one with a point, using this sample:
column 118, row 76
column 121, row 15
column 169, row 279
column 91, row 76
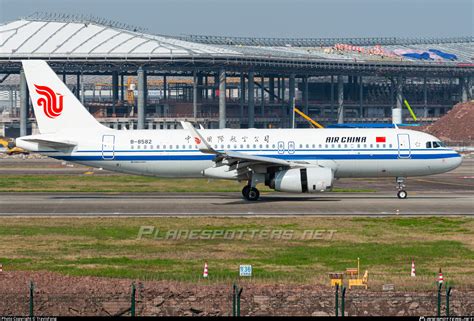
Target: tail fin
column 56, row 108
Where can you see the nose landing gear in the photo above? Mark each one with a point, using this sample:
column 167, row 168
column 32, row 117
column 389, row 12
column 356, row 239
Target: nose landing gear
column 402, row 194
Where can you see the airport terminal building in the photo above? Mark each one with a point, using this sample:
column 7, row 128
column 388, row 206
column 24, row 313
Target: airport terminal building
column 132, row 79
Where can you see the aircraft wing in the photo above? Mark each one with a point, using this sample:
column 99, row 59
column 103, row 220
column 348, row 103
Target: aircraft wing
column 233, row 159
column 237, row 156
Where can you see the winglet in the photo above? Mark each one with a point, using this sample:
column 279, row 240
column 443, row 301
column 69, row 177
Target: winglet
column 201, row 143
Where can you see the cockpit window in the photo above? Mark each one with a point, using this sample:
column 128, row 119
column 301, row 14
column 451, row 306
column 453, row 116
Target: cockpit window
column 437, row 144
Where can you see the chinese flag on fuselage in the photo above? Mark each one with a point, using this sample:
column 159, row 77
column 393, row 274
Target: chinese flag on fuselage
column 380, row 139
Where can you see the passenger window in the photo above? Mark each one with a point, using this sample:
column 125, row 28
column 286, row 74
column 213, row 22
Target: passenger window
column 320, row 146
column 390, row 145
column 339, row 146
column 428, row 144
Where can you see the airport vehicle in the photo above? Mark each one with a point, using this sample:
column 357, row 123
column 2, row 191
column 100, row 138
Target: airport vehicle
column 8, row 147
column 288, row 160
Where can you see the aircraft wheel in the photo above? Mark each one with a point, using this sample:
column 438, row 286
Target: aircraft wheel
column 250, row 193
column 254, row 194
column 402, row 194
column 245, row 191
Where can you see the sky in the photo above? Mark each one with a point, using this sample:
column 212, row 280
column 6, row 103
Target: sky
column 270, row 18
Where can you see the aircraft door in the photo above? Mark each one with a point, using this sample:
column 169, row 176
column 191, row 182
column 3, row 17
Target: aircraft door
column 281, row 147
column 108, row 146
column 291, row 147
column 404, row 148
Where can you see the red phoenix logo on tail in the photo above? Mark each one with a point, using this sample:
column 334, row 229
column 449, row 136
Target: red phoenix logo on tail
column 51, row 102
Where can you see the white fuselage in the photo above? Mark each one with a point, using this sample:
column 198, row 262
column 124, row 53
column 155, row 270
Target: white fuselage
column 173, row 153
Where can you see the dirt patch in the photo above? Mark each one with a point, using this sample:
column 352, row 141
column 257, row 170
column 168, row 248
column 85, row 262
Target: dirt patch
column 56, row 294
column 457, row 126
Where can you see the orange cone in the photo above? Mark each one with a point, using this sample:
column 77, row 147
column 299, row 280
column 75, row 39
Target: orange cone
column 440, row 277
column 206, row 272
column 413, row 273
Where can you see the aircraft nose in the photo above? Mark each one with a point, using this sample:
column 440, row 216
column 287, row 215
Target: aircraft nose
column 455, row 162
column 458, row 160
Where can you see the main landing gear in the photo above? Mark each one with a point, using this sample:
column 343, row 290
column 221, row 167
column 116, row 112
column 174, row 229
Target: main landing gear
column 250, row 193
column 402, row 194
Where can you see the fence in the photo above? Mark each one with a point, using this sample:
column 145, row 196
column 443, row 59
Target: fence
column 244, row 299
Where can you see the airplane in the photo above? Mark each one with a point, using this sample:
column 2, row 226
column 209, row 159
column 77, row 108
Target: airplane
column 286, row 160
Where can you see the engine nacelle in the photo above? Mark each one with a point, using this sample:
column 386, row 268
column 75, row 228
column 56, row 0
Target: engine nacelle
column 221, row 172
column 304, row 180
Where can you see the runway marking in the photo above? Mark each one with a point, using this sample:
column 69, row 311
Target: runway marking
column 437, row 182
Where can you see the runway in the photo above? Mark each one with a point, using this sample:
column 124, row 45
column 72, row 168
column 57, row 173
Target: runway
column 446, row 194
column 231, row 204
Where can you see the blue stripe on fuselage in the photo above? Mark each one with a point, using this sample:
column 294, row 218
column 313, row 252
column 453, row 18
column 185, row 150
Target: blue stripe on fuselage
column 285, row 157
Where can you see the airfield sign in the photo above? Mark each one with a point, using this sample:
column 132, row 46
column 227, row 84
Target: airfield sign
column 245, row 270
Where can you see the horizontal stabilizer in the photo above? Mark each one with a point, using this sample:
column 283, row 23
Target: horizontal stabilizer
column 56, row 144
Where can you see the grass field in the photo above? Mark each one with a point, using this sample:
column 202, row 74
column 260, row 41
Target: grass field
column 122, row 183
column 110, row 247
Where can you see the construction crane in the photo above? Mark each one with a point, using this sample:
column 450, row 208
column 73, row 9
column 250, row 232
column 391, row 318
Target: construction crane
column 130, row 91
column 309, row 119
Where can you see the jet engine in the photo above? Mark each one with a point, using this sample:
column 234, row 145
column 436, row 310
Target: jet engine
column 303, row 180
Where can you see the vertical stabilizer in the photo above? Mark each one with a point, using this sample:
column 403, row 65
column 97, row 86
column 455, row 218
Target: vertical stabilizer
column 56, row 108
